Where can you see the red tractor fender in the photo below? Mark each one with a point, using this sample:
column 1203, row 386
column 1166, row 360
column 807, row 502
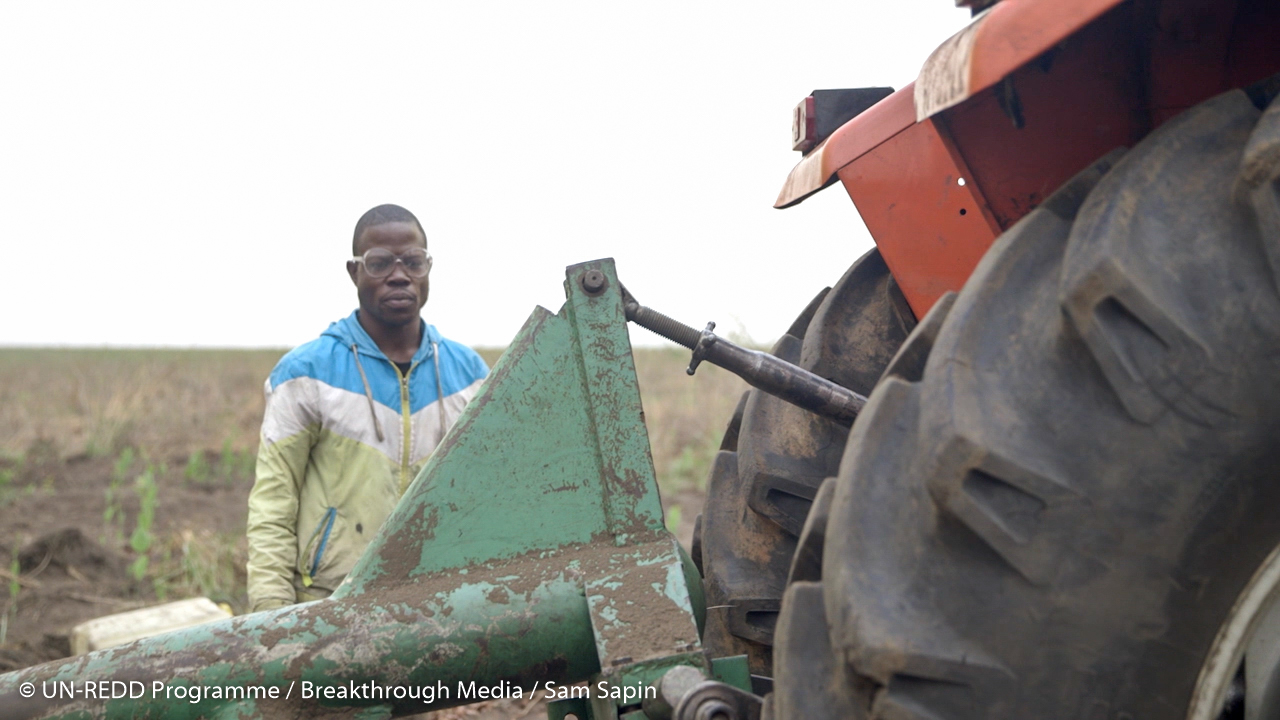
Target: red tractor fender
column 1009, row 108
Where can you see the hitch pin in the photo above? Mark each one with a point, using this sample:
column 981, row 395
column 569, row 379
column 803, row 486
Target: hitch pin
column 762, row 370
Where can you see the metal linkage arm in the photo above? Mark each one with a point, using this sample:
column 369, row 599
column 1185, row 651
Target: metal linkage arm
column 767, row 372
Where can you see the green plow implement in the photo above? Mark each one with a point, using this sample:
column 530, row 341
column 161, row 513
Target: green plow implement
column 528, row 557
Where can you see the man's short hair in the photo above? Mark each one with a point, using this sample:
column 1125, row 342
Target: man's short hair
column 381, row 215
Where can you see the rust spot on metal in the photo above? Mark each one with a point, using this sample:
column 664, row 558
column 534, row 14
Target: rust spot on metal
column 634, row 485
column 498, row 596
column 272, row 636
column 402, row 551
column 429, row 532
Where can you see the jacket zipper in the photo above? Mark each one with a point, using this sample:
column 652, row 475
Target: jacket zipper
column 407, row 429
column 326, row 524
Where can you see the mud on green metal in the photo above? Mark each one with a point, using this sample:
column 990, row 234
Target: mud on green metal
column 530, row 550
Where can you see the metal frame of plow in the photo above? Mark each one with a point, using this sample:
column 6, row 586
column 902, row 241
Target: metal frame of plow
column 530, row 549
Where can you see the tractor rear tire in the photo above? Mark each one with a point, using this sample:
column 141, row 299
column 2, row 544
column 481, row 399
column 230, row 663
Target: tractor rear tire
column 775, row 456
column 1070, row 475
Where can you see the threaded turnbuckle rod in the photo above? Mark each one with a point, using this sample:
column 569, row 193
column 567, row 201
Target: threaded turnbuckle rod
column 762, row 370
column 673, row 330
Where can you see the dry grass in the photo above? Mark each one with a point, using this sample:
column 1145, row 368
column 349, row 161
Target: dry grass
column 78, row 427
column 179, row 406
column 169, row 403
column 202, row 564
column 193, row 409
column 686, row 416
column 173, row 404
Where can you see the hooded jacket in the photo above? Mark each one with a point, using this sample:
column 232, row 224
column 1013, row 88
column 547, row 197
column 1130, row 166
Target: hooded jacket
column 343, row 435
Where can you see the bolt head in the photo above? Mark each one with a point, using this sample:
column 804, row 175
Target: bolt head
column 593, row 281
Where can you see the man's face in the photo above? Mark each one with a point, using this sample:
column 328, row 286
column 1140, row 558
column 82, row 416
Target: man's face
column 396, row 299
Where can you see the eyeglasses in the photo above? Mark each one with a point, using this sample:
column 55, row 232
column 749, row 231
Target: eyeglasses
column 379, row 263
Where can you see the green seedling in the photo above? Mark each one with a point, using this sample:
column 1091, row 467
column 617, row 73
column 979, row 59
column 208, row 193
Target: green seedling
column 141, row 540
column 113, row 513
column 673, row 518
column 124, row 463
column 691, row 467
column 197, row 469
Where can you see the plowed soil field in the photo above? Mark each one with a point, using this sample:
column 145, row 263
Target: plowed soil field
column 90, row 438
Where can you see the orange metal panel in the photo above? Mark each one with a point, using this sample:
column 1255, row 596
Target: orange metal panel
column 1006, row 37
column 1018, row 140
column 930, row 229
column 1075, row 105
column 996, row 43
column 1018, row 31
column 879, row 123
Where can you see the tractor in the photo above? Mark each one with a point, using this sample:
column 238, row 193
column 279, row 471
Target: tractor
column 1019, row 462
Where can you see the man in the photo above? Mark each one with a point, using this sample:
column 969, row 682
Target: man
column 351, row 418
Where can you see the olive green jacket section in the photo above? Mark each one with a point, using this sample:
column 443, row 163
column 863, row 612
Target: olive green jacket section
column 343, row 435
column 339, row 493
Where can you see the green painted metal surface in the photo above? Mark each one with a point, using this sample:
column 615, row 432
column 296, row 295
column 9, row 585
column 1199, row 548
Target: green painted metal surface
column 530, row 550
column 732, row 670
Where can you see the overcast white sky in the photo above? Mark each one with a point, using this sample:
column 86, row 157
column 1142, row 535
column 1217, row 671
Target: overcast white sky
column 186, row 174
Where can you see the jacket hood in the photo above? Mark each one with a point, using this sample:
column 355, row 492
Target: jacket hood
column 349, row 331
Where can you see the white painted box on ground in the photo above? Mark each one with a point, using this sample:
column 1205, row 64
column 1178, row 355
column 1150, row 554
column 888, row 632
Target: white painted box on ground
column 112, row 630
